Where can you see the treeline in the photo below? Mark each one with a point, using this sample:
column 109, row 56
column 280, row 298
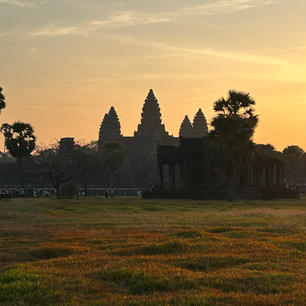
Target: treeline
column 63, row 165
column 82, row 165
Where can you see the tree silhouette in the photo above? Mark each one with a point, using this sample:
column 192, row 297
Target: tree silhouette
column 112, row 157
column 294, row 161
column 20, row 142
column 86, row 162
column 233, row 128
column 2, row 100
column 57, row 164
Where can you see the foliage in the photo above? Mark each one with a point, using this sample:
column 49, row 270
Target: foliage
column 233, row 128
column 235, row 121
column 19, row 138
column 86, row 162
column 265, row 153
column 293, row 152
column 20, row 142
column 112, row 157
column 69, row 190
column 2, row 100
column 295, row 161
column 56, row 164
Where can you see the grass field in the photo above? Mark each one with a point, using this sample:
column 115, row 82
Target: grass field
column 132, row 252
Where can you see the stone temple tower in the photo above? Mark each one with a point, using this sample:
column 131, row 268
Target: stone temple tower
column 151, row 126
column 200, row 128
column 110, row 129
column 196, row 130
column 186, row 129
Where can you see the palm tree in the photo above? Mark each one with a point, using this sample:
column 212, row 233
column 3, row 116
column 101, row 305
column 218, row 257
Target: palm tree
column 20, row 142
column 2, row 100
column 233, row 128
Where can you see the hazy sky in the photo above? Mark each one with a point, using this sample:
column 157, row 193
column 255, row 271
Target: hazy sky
column 65, row 62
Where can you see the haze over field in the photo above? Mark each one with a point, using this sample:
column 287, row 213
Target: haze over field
column 64, row 63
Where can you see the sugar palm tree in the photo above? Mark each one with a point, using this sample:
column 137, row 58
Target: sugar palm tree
column 233, row 128
column 20, row 142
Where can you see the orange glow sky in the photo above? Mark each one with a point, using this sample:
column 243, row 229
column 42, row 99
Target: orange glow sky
column 65, row 62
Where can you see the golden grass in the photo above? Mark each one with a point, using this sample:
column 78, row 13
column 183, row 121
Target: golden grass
column 152, row 252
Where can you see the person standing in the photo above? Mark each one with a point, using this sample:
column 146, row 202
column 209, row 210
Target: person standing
column 139, row 194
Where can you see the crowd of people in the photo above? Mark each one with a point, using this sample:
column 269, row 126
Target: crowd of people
column 38, row 193
column 34, row 193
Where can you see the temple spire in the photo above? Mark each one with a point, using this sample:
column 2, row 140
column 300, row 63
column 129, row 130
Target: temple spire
column 200, row 128
column 110, row 129
column 186, row 129
column 151, row 123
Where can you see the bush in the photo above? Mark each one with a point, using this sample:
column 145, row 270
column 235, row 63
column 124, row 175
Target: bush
column 69, row 191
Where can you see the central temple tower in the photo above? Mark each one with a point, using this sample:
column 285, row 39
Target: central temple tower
column 151, row 126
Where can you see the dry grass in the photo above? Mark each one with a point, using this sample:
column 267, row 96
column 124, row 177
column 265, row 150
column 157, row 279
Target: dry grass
column 152, row 252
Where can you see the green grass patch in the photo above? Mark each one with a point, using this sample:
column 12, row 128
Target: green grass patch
column 126, row 251
column 298, row 245
column 189, row 234
column 220, row 230
column 19, row 286
column 143, row 282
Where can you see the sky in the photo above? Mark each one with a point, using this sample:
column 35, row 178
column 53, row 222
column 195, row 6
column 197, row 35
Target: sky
column 64, row 63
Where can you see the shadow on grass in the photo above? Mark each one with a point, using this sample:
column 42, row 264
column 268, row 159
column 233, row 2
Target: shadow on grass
column 258, row 283
column 164, row 248
column 211, row 263
column 49, row 252
column 143, row 282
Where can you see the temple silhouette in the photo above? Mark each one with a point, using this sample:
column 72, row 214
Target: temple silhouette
column 182, row 166
column 141, row 149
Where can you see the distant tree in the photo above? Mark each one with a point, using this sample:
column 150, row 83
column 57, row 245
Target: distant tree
column 295, row 164
column 86, row 162
column 233, row 129
column 2, row 100
column 56, row 164
column 20, row 142
column 264, row 155
column 112, row 157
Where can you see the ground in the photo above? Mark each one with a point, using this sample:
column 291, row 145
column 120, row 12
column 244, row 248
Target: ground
column 127, row 251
